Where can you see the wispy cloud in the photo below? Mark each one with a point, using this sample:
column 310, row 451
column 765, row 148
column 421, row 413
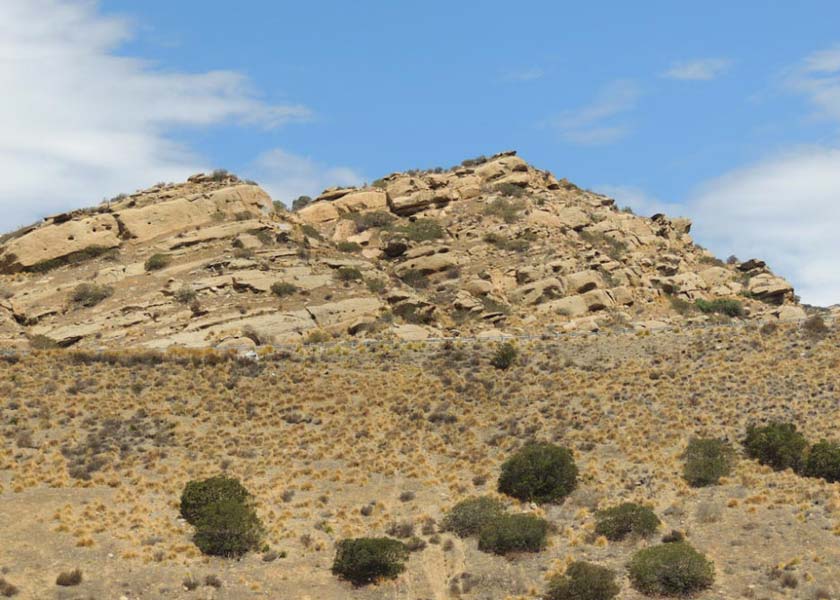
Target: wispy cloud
column 286, row 175
column 523, row 74
column 80, row 121
column 704, row 69
column 599, row 121
column 817, row 77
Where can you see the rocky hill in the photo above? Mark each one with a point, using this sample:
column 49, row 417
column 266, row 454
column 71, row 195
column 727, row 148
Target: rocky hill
column 494, row 246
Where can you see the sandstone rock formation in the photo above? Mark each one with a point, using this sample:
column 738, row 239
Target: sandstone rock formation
column 492, row 245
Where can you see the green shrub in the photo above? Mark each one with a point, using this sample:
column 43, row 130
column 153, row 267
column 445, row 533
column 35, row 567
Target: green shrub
column 707, row 460
column 823, row 461
column 310, row 231
column 513, row 533
column 507, row 210
column 283, row 288
column 510, row 189
column 375, row 285
column 539, row 472
column 279, row 207
column 348, row 247
column 372, row 219
column 503, row 243
column 504, row 356
column 618, row 522
column 157, row 261
column 185, row 294
column 777, row 445
column 423, row 230
column 301, row 202
column 365, row 560
column 80, row 256
column 583, row 581
column 815, row 326
column 468, row 516
column 415, row 278
column 90, row 294
column 349, row 274
column 674, row 569
column 199, row 494
column 228, row 528
column 730, row 308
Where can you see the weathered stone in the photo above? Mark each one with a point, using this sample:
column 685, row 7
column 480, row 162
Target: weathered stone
column 583, row 281
column 358, row 201
column 318, row 212
column 427, row 264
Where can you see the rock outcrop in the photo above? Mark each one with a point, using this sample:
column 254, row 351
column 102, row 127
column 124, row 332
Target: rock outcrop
column 490, row 247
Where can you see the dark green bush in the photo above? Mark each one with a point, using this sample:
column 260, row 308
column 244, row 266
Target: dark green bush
column 504, row 243
column 539, row 472
column 283, row 288
column 618, row 522
column 185, row 294
column 731, row 308
column 468, row 516
column 513, row 533
column 365, row 560
column 583, row 581
column 301, row 202
column 510, row 189
column 80, row 256
column 670, row 570
column 823, row 461
column 504, row 356
column 228, row 528
column 157, row 261
column 199, row 494
column 415, row 278
column 372, row 219
column 90, row 294
column 777, row 445
column 707, row 460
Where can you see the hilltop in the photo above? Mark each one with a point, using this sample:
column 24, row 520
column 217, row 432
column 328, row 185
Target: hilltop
column 488, row 248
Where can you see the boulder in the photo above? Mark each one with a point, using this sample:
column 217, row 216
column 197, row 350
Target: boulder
column 358, row 201
column 344, row 312
column 318, row 212
column 584, row 281
column 770, row 288
column 790, row 312
column 538, row 291
column 427, row 264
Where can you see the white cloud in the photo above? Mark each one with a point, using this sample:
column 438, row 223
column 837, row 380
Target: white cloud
column 286, row 176
column 785, row 210
column 818, row 79
column 642, row 203
column 704, row 69
column 598, row 122
column 80, row 122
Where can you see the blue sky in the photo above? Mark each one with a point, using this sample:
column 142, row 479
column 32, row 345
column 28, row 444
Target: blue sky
column 725, row 112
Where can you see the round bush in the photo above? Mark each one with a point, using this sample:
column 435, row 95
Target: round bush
column 364, row 560
column 823, row 461
column 157, row 261
column 670, row 570
column 468, row 516
column 583, row 581
column 618, row 522
column 513, row 533
column 707, row 460
column 504, row 356
column 199, row 494
column 777, row 445
column 228, row 528
column 539, row 473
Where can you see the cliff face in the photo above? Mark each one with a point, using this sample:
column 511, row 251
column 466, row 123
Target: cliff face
column 492, row 246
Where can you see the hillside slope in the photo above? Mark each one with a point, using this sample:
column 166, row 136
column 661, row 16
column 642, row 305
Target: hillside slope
column 492, row 246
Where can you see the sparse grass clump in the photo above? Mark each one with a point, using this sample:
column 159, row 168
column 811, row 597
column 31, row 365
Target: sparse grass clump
column 372, row 219
column 823, row 461
column 626, row 519
column 504, row 356
column 707, row 460
column 539, row 472
column 185, row 294
column 349, row 274
column 505, row 209
column 69, row 578
column 423, row 230
column 583, row 581
column 778, row 445
column 513, row 533
column 468, row 516
column 416, row 279
column 720, row 306
column 348, row 247
column 74, row 258
column 90, row 294
column 674, row 569
column 366, row 560
column 283, row 288
column 511, row 190
column 815, row 326
column 157, row 261
column 504, row 243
